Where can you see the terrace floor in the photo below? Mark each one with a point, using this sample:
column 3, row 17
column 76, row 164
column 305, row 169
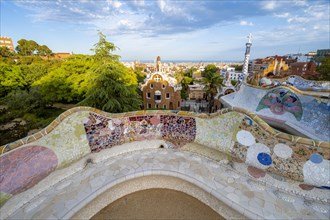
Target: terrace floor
column 87, row 186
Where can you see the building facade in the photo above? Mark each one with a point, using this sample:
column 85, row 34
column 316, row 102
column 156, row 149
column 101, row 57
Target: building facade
column 303, row 69
column 196, row 92
column 161, row 91
column 275, row 64
column 7, row 42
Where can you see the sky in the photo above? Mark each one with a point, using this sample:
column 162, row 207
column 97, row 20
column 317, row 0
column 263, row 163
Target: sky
column 175, row 30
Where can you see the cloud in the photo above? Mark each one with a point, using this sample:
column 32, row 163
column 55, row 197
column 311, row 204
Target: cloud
column 245, row 23
column 282, row 15
column 146, row 18
column 285, row 21
column 269, row 5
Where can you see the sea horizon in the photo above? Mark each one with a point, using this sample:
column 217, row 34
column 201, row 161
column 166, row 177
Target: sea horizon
column 186, row 61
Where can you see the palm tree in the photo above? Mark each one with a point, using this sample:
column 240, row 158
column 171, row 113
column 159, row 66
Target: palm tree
column 213, row 83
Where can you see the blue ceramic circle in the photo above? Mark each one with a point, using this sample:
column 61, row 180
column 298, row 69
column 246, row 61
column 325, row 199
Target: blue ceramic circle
column 316, row 158
column 264, row 159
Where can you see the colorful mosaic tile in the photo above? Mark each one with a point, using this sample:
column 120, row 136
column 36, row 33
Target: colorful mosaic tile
column 303, row 84
column 23, row 168
column 218, row 132
column 279, row 101
column 103, row 132
column 178, row 130
column 294, row 160
column 68, row 139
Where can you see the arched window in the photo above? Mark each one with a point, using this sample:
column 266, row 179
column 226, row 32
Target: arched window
column 158, row 96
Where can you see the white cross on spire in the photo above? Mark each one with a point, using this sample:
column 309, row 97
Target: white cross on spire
column 158, row 78
column 249, row 38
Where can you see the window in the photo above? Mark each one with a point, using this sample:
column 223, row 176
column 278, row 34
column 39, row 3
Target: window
column 167, row 95
column 164, row 86
column 151, row 86
column 148, row 95
column 158, row 96
column 156, row 105
column 164, row 106
column 149, row 105
column 178, row 104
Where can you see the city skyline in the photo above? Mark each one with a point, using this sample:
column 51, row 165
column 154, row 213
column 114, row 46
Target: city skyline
column 175, row 30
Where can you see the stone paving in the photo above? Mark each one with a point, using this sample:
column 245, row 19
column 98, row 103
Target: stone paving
column 227, row 182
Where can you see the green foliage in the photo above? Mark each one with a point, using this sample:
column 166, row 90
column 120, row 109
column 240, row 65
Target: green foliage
column 324, row 69
column 24, row 100
column 11, row 78
column 43, row 50
column 185, row 82
column 70, row 81
column 212, row 82
column 30, row 85
column 238, row 67
column 28, row 59
column 140, row 76
column 34, row 72
column 30, row 47
column 184, row 93
column 189, row 73
column 178, row 76
column 233, row 82
column 114, row 90
column 210, row 68
column 5, row 52
column 103, row 48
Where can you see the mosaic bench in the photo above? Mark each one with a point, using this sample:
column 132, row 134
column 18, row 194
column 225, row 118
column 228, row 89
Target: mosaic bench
column 286, row 108
column 239, row 134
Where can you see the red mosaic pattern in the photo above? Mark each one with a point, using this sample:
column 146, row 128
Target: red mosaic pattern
column 255, row 172
column 21, row 169
column 178, row 130
column 103, row 132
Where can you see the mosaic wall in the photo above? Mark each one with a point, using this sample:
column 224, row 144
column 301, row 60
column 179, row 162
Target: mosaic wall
column 317, row 116
column 281, row 100
column 294, row 160
column 68, row 139
column 103, row 132
column 303, row 84
column 218, row 132
column 81, row 132
column 308, row 115
column 23, row 168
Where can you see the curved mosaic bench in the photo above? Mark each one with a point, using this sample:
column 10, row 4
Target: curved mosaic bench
column 240, row 134
column 306, row 85
column 286, row 108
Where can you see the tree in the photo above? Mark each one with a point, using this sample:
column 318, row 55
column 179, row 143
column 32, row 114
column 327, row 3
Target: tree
column 26, row 47
column 212, row 82
column 30, row 47
column 34, row 71
column 185, row 82
column 238, row 67
column 25, row 101
column 210, row 68
column 70, row 81
column 190, row 72
column 324, row 69
column 5, row 52
column 43, row 50
column 11, row 78
column 103, row 48
column 114, row 90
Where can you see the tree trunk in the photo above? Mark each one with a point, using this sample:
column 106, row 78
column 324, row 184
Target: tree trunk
column 211, row 104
